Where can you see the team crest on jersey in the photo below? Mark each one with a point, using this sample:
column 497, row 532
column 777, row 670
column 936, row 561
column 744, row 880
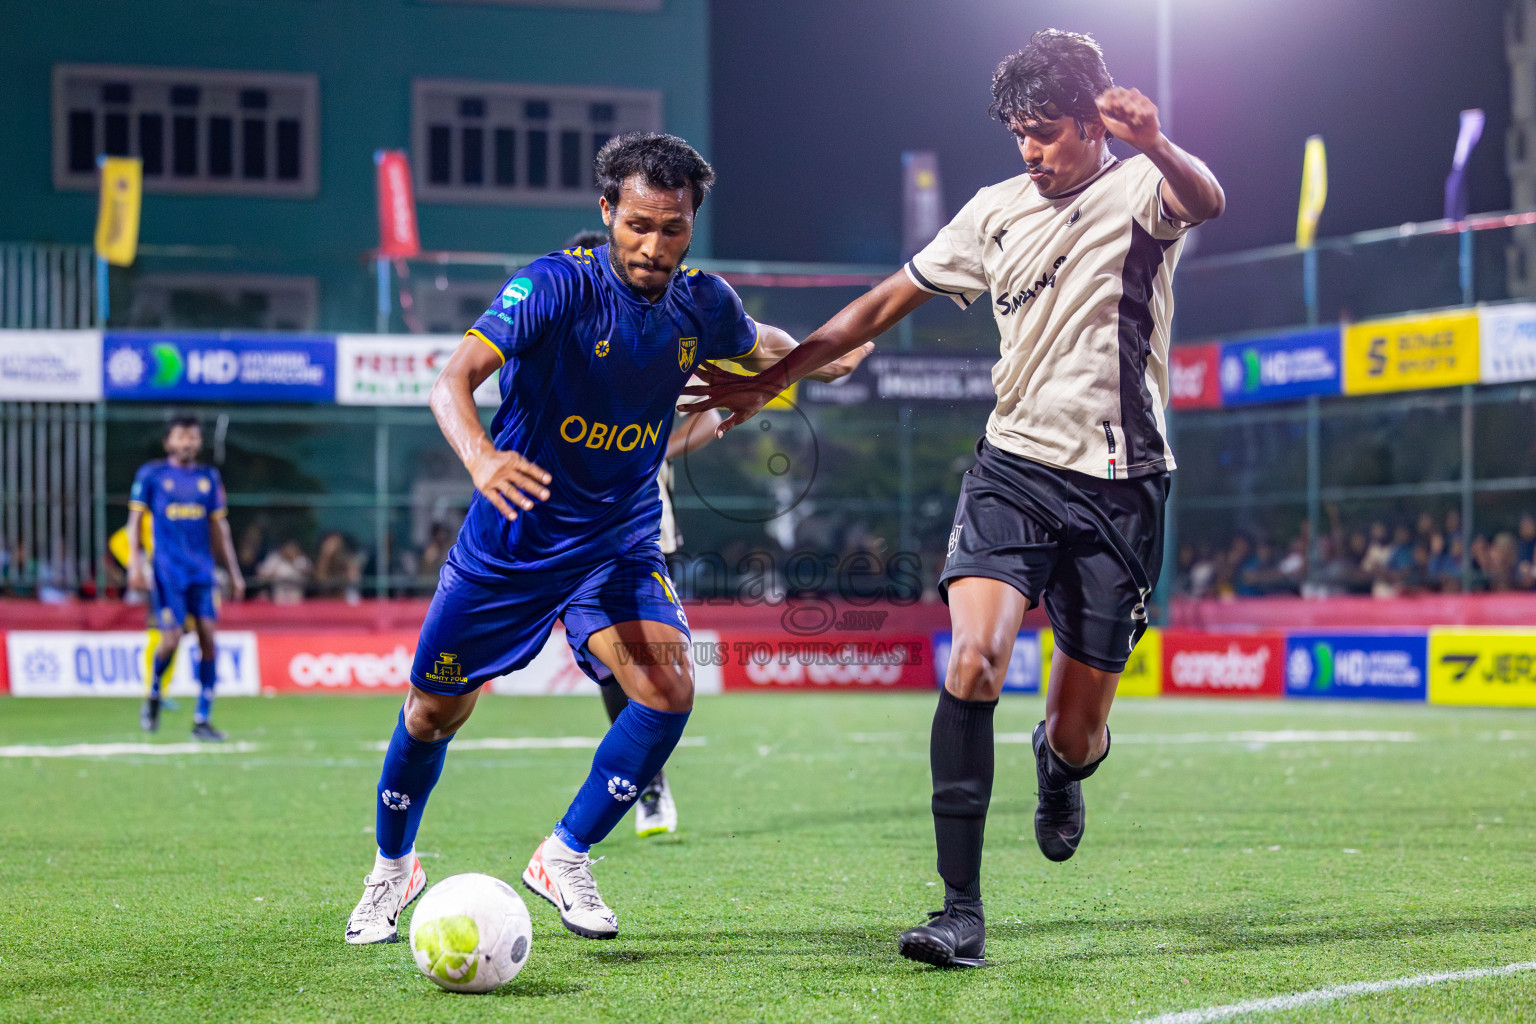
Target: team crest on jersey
column 687, row 348
column 446, row 669
column 203, row 486
column 165, row 483
column 601, row 349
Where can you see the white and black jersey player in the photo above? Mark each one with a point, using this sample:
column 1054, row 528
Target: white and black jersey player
column 1064, row 504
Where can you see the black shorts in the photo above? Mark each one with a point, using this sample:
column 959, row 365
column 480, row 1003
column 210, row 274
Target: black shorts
column 1089, row 550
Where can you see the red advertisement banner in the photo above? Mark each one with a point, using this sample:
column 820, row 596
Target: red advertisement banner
column 771, row 661
column 336, row 662
column 1223, row 665
column 397, row 205
column 1194, row 376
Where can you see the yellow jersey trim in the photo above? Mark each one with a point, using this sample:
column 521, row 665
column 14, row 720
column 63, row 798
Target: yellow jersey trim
column 219, row 512
column 757, row 339
column 474, row 333
column 137, row 506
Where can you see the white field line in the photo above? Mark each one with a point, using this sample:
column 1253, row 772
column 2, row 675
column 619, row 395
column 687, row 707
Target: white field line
column 120, row 749
column 540, row 743
column 1296, row 1000
column 1250, row 736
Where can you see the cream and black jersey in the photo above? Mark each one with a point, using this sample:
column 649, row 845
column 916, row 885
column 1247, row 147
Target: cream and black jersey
column 1081, row 289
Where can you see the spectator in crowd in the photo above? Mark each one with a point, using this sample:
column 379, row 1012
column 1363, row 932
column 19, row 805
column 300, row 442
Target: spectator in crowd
column 1500, row 561
column 338, row 570
column 286, row 572
column 249, row 551
column 434, row 555
column 1525, row 571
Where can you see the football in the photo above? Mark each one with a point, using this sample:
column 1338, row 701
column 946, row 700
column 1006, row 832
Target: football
column 471, row 933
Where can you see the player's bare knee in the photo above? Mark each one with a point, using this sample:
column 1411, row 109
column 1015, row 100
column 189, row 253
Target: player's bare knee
column 431, row 717
column 976, row 670
column 670, row 690
column 170, row 637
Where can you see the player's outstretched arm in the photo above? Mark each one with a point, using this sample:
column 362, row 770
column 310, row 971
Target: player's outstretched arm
column 773, row 344
column 138, row 577
column 1190, row 191
column 504, row 478
column 861, row 321
column 225, row 548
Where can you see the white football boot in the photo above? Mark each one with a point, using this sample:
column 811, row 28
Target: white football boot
column 564, row 878
column 655, row 813
column 384, row 897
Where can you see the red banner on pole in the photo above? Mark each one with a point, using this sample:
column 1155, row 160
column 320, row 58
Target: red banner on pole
column 397, row 205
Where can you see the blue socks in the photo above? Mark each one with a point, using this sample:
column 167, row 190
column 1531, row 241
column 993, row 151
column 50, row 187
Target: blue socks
column 411, row 769
column 637, row 745
column 206, row 676
column 158, row 664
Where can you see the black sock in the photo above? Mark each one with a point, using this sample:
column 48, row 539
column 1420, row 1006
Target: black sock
column 614, row 699
column 960, row 753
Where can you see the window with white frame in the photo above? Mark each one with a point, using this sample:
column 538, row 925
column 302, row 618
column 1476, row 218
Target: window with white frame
column 197, row 131
column 496, row 142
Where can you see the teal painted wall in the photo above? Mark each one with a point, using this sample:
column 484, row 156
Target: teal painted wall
column 365, row 53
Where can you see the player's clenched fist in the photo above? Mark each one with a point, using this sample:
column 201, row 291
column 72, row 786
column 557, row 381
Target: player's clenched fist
column 507, row 479
column 1129, row 116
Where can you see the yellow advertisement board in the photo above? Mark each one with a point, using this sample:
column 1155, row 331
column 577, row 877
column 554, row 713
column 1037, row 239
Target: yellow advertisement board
column 1490, row 667
column 1143, row 675
column 1407, row 353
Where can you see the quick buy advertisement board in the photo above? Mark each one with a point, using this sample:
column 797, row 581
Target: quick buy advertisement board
column 1281, row 368
column 1490, row 666
column 1192, row 376
column 847, row 661
column 1406, row 353
column 1023, row 675
column 1143, row 675
column 154, row 367
column 1222, row 664
column 1367, row 666
column 114, row 664
column 398, row 369
column 1508, row 344
column 50, row 366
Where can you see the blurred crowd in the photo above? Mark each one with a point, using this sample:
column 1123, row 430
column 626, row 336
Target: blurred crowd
column 1425, row 555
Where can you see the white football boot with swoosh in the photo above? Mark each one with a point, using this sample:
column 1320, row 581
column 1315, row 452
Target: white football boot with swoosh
column 376, row 917
column 564, row 878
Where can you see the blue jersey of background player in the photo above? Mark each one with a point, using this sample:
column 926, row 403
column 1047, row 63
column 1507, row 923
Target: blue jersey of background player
column 594, row 348
column 186, row 504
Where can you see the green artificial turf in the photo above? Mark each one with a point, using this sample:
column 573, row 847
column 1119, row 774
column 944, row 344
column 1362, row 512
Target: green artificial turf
column 1215, row 869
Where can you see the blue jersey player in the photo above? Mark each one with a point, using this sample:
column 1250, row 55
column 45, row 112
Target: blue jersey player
column 185, row 502
column 594, row 348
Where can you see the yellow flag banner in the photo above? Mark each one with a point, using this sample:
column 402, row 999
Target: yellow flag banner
column 117, row 220
column 1314, row 192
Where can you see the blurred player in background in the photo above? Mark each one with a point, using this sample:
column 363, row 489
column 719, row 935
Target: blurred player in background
column 185, row 502
column 1064, row 505
column 655, row 810
column 594, row 348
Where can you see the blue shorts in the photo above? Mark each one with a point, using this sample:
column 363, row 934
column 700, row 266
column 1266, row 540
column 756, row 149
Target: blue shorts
column 480, row 627
column 171, row 601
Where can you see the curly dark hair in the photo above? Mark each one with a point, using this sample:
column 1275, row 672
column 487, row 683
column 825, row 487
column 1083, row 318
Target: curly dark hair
column 664, row 161
column 179, row 421
column 1056, row 74
column 588, row 239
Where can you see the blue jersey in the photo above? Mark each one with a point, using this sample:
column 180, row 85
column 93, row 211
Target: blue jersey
column 183, row 501
column 592, row 372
